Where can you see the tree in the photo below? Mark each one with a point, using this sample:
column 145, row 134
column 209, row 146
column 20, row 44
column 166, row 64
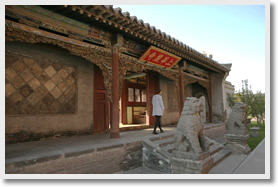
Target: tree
column 255, row 103
column 258, row 107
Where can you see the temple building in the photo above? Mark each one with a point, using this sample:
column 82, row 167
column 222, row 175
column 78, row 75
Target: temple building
column 94, row 69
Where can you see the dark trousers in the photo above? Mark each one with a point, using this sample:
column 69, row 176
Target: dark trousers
column 157, row 123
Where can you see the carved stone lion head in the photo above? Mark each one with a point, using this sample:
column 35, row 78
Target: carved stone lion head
column 191, row 106
column 240, row 107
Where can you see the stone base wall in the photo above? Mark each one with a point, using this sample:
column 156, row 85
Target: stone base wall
column 155, row 158
column 238, row 144
column 48, row 91
column 187, row 166
column 104, row 160
column 214, row 131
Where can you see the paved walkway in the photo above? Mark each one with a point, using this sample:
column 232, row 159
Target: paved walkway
column 56, row 146
column 254, row 163
column 238, row 164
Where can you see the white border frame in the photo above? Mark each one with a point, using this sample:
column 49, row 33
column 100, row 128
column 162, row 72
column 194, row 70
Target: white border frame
column 143, row 176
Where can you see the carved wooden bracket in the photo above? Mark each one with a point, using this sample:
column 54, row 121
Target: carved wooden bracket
column 128, row 63
column 100, row 56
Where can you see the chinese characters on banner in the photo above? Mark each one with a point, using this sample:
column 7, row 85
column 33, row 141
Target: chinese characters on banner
column 159, row 57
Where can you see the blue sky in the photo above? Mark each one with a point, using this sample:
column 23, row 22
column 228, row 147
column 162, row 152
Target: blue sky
column 231, row 33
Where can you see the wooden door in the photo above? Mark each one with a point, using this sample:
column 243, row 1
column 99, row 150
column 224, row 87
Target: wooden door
column 152, row 87
column 101, row 117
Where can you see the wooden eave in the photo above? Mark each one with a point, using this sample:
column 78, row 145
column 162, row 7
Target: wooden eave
column 115, row 18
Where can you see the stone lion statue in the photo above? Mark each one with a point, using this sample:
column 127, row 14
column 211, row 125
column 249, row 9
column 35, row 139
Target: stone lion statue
column 236, row 130
column 189, row 135
column 236, row 123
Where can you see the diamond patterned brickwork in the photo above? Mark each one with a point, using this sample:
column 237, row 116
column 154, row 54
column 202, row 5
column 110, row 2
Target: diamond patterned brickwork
column 39, row 86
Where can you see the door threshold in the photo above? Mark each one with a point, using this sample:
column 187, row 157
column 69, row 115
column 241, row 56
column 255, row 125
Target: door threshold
column 126, row 127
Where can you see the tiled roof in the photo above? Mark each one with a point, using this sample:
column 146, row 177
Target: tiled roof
column 118, row 19
column 227, row 66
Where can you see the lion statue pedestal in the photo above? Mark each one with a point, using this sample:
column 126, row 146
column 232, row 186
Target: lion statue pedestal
column 191, row 154
column 236, row 130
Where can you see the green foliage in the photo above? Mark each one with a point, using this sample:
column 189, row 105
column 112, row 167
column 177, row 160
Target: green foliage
column 258, row 107
column 254, row 141
column 255, row 103
column 233, row 99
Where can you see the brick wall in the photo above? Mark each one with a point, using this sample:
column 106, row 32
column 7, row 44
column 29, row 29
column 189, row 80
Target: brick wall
column 104, row 160
column 39, row 85
column 48, row 91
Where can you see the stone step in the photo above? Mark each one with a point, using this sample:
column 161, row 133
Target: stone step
column 211, row 142
column 216, row 147
column 161, row 136
column 220, row 140
column 135, row 127
column 169, row 148
column 165, row 142
column 221, row 155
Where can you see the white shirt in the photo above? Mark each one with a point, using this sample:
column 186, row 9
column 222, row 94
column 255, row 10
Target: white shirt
column 158, row 106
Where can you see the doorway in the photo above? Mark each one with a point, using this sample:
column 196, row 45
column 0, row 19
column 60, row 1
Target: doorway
column 134, row 99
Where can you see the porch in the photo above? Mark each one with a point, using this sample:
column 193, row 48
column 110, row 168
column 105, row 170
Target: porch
column 91, row 154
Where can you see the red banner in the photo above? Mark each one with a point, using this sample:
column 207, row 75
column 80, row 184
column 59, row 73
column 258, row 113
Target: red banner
column 159, row 57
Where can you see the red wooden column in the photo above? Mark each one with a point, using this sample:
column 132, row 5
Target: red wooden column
column 115, row 129
column 124, row 103
column 181, row 85
column 148, row 104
